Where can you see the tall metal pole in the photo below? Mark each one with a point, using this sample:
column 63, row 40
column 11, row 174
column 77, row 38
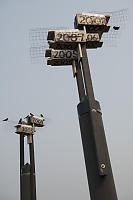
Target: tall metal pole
column 98, row 167
column 21, row 163
column 32, row 170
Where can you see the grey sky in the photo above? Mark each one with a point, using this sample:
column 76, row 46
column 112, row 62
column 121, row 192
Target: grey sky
column 52, row 91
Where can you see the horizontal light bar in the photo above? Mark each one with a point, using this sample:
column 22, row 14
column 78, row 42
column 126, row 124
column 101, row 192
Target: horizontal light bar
column 72, row 36
column 91, row 19
column 24, row 129
column 59, row 62
column 36, row 121
column 92, row 22
column 67, row 36
column 73, row 46
column 68, row 39
column 61, row 54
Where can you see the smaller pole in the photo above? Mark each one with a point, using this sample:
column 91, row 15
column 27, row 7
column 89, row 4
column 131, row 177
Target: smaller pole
column 32, row 170
column 26, row 195
column 21, row 163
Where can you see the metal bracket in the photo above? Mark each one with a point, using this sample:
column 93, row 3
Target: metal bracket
column 29, row 139
column 80, row 55
column 74, row 68
column 85, row 31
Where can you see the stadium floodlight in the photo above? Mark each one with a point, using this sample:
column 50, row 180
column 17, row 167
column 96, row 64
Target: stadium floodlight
column 61, row 57
column 93, row 22
column 38, row 36
column 35, row 121
column 98, row 166
column 69, row 39
column 25, row 129
column 72, row 35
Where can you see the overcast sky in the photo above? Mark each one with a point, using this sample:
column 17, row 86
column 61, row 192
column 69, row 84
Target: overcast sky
column 36, row 88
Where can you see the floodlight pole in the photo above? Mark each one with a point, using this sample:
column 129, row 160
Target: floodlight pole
column 25, row 192
column 98, row 167
column 27, row 172
column 32, row 171
column 21, row 163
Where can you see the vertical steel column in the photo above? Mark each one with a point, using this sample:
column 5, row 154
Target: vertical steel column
column 26, row 193
column 21, row 162
column 87, row 76
column 80, row 82
column 32, row 171
column 98, row 167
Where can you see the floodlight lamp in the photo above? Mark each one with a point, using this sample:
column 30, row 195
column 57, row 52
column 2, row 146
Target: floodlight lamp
column 36, row 121
column 24, row 129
